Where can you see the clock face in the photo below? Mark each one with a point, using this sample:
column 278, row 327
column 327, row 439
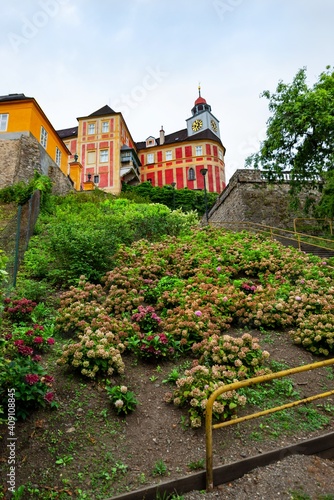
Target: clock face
column 197, row 125
column 214, row 126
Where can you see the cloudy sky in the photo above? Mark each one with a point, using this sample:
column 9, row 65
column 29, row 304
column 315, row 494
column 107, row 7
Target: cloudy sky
column 145, row 58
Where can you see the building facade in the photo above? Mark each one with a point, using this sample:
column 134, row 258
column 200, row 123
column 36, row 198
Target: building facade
column 21, row 115
column 182, row 157
column 104, row 147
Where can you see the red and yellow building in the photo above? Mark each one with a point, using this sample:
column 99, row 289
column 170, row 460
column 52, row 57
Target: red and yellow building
column 181, row 156
column 103, row 145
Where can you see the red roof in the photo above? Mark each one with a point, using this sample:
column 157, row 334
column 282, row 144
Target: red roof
column 200, row 100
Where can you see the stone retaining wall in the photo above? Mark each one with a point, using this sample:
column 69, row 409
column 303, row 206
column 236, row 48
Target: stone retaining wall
column 20, row 157
column 250, row 198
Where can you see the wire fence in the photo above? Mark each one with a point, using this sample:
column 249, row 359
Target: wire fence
column 14, row 237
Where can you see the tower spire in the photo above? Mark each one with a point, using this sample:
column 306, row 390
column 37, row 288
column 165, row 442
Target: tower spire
column 199, row 89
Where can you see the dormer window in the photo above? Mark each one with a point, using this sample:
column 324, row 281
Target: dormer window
column 150, row 141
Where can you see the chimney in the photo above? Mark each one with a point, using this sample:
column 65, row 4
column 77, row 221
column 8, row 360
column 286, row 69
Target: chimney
column 162, row 136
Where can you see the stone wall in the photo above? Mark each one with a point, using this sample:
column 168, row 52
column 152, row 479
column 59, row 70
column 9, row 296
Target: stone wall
column 250, row 198
column 20, row 157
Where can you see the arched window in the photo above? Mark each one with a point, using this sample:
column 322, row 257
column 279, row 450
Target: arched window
column 191, row 174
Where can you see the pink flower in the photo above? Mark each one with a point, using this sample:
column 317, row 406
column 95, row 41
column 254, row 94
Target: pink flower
column 198, row 313
column 31, row 378
column 218, row 268
column 8, row 336
column 49, row 397
column 48, row 379
column 38, row 340
column 298, row 298
column 19, row 342
column 30, row 332
column 37, row 358
column 50, row 341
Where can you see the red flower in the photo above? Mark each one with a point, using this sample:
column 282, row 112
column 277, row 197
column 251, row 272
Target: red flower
column 19, row 342
column 31, row 378
column 38, row 327
column 48, row 379
column 36, row 358
column 38, row 340
column 49, row 397
column 25, row 350
column 50, row 341
column 8, row 336
column 30, row 332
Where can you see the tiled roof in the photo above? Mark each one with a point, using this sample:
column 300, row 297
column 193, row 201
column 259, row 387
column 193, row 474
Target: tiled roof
column 68, row 132
column 182, row 136
column 13, row 97
column 105, row 110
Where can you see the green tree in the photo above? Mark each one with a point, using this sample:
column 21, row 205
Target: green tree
column 300, row 132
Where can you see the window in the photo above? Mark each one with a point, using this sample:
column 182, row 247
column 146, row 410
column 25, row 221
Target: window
column 91, row 128
column 169, row 155
column 104, row 156
column 150, row 158
column 44, row 137
column 191, row 174
column 58, row 156
column 199, row 151
column 3, row 122
column 105, row 127
column 220, row 154
column 91, row 157
column 96, row 179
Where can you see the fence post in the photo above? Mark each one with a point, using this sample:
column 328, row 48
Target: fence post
column 17, row 243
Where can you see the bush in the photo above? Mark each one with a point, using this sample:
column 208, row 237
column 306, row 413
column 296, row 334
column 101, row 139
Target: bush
column 31, row 385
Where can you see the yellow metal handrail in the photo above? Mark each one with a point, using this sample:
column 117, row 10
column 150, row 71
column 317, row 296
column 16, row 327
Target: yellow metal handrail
column 281, row 233
column 245, row 383
column 329, row 222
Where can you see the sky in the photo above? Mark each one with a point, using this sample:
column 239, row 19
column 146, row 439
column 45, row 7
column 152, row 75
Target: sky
column 146, row 58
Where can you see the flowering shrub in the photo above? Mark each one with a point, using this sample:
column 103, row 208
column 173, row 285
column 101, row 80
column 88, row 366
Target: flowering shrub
column 27, row 341
column 17, row 310
column 32, row 385
column 123, row 400
column 241, row 354
column 316, row 334
column 96, row 353
column 197, row 385
column 153, row 346
column 146, row 318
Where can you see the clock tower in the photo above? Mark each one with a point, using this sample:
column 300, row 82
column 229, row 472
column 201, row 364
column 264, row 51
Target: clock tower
column 202, row 118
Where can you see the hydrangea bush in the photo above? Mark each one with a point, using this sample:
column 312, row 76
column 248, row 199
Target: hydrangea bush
column 188, row 293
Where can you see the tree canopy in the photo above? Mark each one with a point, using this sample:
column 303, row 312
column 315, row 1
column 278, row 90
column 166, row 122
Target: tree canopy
column 300, row 132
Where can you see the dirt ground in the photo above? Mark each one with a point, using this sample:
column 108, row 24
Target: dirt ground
column 108, row 455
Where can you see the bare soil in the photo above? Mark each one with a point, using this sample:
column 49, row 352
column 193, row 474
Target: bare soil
column 103, row 455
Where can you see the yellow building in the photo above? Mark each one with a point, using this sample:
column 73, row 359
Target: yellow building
column 21, row 115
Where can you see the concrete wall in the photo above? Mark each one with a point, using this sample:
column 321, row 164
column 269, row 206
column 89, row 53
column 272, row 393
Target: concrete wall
column 248, row 197
column 20, row 157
